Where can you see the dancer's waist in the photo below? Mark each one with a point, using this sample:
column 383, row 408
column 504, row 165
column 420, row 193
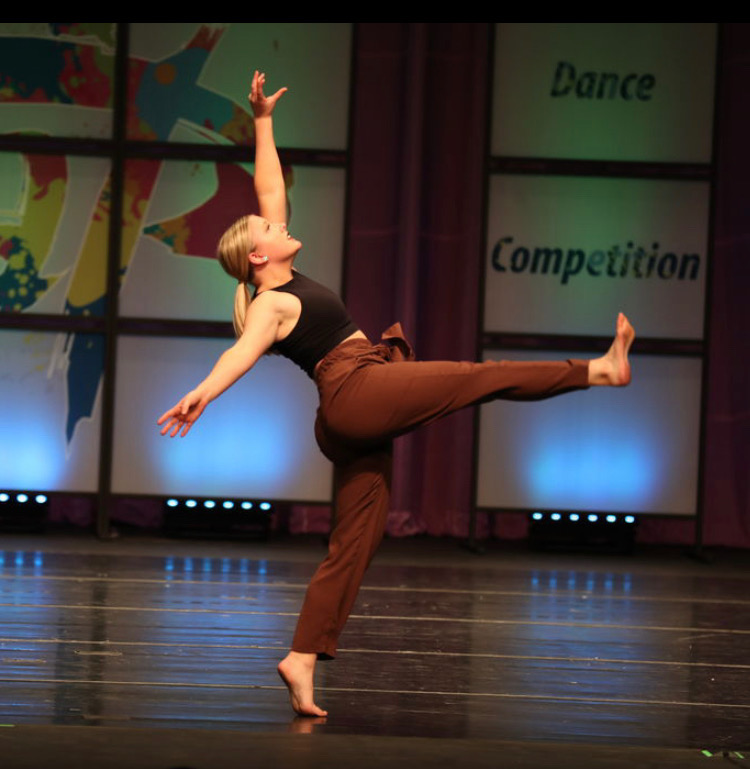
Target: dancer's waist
column 358, row 350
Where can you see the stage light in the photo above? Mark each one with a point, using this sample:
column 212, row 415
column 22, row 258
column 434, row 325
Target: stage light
column 23, row 511
column 233, row 518
column 597, row 532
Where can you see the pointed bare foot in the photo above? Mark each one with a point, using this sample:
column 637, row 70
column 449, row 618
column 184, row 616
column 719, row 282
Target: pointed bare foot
column 296, row 671
column 613, row 369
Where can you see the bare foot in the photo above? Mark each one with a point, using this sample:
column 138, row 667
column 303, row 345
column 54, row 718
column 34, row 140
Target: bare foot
column 296, row 671
column 305, row 724
column 613, row 369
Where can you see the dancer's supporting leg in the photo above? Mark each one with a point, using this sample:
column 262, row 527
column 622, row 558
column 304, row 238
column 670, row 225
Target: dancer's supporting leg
column 363, row 487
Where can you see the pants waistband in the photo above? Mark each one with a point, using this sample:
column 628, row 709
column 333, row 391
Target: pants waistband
column 392, row 347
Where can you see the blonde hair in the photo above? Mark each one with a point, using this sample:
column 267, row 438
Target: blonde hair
column 232, row 252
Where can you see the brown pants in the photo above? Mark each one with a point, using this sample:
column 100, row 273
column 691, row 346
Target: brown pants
column 370, row 394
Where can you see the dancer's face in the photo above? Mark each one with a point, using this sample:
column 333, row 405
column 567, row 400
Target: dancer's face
column 272, row 240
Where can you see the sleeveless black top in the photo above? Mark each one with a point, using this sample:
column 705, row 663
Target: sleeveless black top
column 323, row 323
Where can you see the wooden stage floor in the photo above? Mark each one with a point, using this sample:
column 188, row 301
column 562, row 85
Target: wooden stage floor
column 147, row 652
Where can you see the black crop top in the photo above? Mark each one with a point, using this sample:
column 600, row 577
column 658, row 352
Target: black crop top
column 323, row 323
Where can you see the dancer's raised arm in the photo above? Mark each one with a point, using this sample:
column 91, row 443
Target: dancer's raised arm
column 269, row 178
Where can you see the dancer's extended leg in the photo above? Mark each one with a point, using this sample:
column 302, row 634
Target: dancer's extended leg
column 383, row 401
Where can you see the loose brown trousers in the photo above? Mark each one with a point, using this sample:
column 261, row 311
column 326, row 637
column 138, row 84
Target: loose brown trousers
column 370, row 394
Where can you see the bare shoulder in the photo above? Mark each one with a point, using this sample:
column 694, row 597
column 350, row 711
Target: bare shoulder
column 279, row 304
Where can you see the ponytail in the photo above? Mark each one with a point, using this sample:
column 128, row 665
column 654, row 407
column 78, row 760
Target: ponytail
column 232, row 252
column 241, row 303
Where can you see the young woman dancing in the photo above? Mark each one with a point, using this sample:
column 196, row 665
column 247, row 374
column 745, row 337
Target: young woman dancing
column 369, row 393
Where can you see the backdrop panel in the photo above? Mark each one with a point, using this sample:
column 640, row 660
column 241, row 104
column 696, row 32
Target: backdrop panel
column 194, row 78
column 175, row 213
column 49, row 429
column 256, row 440
column 56, row 78
column 566, row 253
column 631, row 449
column 616, row 91
column 54, row 225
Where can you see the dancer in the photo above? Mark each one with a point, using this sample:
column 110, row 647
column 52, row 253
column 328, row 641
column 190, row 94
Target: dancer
column 369, row 393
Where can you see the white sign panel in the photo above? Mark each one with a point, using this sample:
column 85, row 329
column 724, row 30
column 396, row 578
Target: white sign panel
column 616, row 91
column 256, row 440
column 565, row 254
column 631, row 449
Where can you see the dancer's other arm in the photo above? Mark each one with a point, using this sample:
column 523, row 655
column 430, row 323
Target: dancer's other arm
column 260, row 332
column 269, row 178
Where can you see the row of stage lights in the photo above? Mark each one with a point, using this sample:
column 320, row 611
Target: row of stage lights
column 216, row 504
column 23, row 510
column 209, row 516
column 583, row 517
column 22, row 498
column 594, row 532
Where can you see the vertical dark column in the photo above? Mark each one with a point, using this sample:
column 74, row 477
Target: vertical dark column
column 719, row 68
column 726, row 493
column 113, row 281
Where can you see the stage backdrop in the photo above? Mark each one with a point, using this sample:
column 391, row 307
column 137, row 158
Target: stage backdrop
column 188, row 84
column 566, row 252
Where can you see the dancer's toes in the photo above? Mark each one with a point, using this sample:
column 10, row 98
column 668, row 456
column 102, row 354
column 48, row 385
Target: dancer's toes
column 613, row 369
column 625, row 331
column 619, row 352
column 305, row 724
column 296, row 671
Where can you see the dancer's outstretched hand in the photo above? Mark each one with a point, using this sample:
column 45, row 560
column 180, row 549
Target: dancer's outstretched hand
column 262, row 105
column 182, row 416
